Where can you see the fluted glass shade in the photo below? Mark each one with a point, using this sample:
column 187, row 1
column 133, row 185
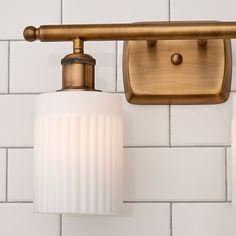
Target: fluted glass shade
column 78, row 153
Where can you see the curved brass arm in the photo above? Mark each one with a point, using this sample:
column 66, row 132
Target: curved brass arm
column 137, row 31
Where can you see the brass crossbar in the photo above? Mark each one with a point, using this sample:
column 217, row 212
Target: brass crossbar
column 134, row 31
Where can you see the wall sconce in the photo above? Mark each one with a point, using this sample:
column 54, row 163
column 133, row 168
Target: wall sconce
column 78, row 130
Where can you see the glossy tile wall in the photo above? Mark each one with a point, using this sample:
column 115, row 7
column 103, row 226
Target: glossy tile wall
column 177, row 158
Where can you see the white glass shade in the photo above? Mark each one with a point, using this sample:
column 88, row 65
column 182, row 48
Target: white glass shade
column 78, row 153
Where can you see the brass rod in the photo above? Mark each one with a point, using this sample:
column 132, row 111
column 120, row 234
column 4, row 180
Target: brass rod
column 78, row 46
column 136, row 31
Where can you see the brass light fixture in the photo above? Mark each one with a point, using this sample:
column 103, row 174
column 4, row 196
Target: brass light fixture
column 78, row 134
column 189, row 64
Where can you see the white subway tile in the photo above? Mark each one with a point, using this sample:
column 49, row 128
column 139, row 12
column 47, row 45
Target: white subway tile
column 120, row 84
column 203, row 10
column 15, row 15
column 201, row 124
column 16, row 120
column 105, row 11
column 233, row 82
column 135, row 219
column 204, row 219
column 145, row 125
column 18, row 219
column 174, row 174
column 105, row 69
column 36, row 67
column 3, row 67
column 20, row 175
column 2, row 175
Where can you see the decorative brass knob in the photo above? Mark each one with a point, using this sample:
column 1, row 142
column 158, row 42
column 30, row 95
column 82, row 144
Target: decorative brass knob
column 30, row 33
column 176, row 58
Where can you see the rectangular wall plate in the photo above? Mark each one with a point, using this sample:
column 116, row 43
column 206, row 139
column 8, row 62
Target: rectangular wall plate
column 203, row 77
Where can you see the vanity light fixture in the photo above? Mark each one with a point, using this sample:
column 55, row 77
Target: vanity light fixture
column 78, row 130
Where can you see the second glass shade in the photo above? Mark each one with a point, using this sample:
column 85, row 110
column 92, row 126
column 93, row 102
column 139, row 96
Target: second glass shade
column 78, row 153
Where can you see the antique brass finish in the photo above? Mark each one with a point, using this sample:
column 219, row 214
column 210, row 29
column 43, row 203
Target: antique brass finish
column 204, row 76
column 151, row 43
column 176, row 58
column 164, row 62
column 78, row 72
column 137, row 31
column 78, row 45
column 30, row 33
column 202, row 43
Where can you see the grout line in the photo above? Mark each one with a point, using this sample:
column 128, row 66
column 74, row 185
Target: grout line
column 179, row 146
column 226, row 175
column 171, row 219
column 118, row 92
column 9, row 93
column 116, row 61
column 18, row 202
column 17, row 147
column 61, row 12
column 164, row 146
column 231, row 91
column 12, row 40
column 6, row 174
column 60, row 224
column 170, row 125
column 136, row 202
column 161, row 146
column 169, row 15
column 8, row 68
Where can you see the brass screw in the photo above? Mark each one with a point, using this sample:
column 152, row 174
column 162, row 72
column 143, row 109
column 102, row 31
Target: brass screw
column 151, row 43
column 202, row 43
column 176, row 58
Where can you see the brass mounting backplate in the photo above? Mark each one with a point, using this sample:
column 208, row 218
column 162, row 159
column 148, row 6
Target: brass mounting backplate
column 203, row 77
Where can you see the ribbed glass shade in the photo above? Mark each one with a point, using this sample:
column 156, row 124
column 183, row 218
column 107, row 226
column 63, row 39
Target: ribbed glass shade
column 78, row 153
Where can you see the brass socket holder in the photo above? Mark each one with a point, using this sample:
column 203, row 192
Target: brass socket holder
column 78, row 72
column 191, row 63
